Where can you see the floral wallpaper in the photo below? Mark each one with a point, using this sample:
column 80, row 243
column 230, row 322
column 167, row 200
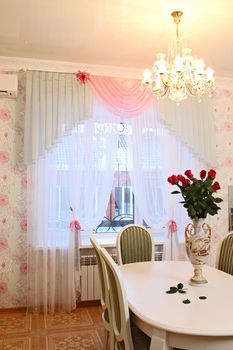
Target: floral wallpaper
column 223, row 113
column 13, row 184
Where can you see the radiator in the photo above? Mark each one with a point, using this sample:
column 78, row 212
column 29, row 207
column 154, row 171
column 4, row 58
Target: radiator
column 90, row 285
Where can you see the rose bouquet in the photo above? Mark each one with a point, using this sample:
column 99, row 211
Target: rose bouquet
column 198, row 194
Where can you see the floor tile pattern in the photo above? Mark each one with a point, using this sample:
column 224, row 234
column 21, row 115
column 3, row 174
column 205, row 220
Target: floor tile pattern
column 82, row 340
column 15, row 322
column 64, row 320
column 80, row 330
column 16, row 344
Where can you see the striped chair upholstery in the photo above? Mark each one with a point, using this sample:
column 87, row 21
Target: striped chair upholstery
column 225, row 254
column 134, row 244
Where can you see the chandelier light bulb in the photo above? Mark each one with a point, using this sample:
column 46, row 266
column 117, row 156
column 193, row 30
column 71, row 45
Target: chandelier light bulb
column 147, row 76
column 209, row 73
column 180, row 75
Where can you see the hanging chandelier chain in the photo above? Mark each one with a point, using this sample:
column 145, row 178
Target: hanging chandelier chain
column 177, row 31
column 177, row 18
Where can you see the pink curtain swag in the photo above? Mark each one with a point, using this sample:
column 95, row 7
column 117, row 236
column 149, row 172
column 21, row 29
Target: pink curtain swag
column 122, row 96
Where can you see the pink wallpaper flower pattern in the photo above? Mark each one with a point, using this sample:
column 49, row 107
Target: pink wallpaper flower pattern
column 223, row 118
column 13, row 185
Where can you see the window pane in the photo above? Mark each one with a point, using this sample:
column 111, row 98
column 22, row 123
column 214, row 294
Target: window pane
column 120, row 211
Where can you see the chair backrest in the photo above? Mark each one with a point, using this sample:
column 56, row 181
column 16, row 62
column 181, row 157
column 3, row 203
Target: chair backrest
column 134, row 244
column 224, row 258
column 119, row 303
column 97, row 249
column 105, row 299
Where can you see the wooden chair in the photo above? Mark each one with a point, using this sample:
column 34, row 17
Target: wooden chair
column 124, row 338
column 224, row 258
column 105, row 302
column 134, row 244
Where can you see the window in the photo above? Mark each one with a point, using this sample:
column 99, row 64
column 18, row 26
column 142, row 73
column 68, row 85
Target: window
column 80, row 171
column 120, row 210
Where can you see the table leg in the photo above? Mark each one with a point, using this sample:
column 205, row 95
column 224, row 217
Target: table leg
column 159, row 340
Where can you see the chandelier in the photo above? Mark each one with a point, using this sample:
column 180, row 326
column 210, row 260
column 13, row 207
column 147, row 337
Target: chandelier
column 181, row 75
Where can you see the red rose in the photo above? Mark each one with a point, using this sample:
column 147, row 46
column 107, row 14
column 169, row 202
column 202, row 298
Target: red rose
column 185, row 181
column 202, row 174
column 172, row 179
column 182, row 179
column 188, row 173
column 212, row 173
column 216, row 186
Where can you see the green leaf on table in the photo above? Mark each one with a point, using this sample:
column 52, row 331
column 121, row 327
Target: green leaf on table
column 202, row 297
column 186, row 301
column 179, row 288
column 180, row 285
column 172, row 290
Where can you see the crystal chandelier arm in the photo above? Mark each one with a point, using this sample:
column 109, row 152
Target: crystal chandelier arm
column 164, row 92
column 190, row 91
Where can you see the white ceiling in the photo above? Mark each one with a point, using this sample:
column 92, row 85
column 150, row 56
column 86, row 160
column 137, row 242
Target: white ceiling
column 125, row 33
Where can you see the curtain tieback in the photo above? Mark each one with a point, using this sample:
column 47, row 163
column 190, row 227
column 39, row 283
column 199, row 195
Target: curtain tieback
column 171, row 228
column 74, row 224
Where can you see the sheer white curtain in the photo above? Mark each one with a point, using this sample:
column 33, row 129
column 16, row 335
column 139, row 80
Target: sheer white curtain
column 157, row 154
column 77, row 172
column 144, row 139
column 193, row 123
column 55, row 103
column 51, row 283
column 92, row 152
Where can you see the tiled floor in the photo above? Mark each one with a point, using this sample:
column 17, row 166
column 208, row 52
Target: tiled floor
column 80, row 330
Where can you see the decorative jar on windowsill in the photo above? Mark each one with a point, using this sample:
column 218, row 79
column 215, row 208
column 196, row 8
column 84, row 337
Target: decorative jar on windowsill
column 199, row 201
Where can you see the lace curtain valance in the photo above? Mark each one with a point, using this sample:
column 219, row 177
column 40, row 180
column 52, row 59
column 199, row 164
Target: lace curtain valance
column 56, row 102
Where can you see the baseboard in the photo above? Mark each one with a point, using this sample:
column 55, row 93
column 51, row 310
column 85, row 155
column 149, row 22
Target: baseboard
column 13, row 309
column 23, row 309
column 87, row 303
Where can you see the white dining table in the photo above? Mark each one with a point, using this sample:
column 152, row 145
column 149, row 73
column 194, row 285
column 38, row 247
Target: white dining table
column 201, row 324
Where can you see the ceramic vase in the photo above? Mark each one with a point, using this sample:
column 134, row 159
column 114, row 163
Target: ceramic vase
column 197, row 242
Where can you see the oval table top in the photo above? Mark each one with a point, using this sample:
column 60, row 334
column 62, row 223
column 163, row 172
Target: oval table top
column 146, row 284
